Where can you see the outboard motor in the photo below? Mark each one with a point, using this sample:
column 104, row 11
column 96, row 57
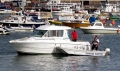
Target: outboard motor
column 107, row 50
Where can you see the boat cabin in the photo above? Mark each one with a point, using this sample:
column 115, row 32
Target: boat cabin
column 97, row 24
column 52, row 31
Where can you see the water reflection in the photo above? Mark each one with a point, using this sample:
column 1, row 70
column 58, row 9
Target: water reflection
column 95, row 63
column 48, row 62
column 52, row 63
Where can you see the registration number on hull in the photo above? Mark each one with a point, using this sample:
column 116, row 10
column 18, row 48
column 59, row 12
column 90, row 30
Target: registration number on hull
column 79, row 47
column 95, row 54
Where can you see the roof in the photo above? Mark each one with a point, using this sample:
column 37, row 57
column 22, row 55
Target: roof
column 52, row 27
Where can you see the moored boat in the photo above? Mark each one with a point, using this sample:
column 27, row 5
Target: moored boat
column 22, row 29
column 99, row 28
column 51, row 39
column 77, row 24
column 46, row 41
column 55, row 22
column 4, row 32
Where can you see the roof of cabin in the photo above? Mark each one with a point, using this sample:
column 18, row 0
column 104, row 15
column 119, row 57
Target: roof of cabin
column 53, row 27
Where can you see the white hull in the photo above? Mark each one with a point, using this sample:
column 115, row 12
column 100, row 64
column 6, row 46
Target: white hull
column 39, row 46
column 34, row 48
column 16, row 22
column 100, row 31
column 83, row 51
column 31, row 48
column 62, row 13
column 22, row 29
column 3, row 32
column 98, row 28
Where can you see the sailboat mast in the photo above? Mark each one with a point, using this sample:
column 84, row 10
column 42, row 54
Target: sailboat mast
column 82, row 4
column 51, row 9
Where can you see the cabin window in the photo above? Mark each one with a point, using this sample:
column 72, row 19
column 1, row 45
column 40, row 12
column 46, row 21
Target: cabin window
column 40, row 33
column 54, row 33
column 60, row 33
column 98, row 24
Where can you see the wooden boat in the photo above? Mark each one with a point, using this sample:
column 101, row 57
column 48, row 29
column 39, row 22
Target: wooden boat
column 55, row 22
column 77, row 24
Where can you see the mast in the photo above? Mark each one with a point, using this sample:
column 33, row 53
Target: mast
column 51, row 9
column 82, row 4
column 23, row 4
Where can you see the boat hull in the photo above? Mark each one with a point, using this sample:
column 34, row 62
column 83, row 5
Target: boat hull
column 42, row 46
column 56, row 22
column 81, row 50
column 23, row 24
column 76, row 25
column 34, row 48
column 22, row 29
column 100, row 31
column 4, row 33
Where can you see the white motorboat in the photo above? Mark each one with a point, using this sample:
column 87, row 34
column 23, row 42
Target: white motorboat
column 22, row 29
column 9, row 29
column 27, row 19
column 52, row 39
column 98, row 28
column 4, row 32
column 21, row 20
column 46, row 41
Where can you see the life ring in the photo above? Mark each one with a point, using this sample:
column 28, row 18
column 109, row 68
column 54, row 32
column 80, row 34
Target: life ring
column 118, row 31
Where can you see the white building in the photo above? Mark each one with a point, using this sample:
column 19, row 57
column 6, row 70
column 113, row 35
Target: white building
column 5, row 0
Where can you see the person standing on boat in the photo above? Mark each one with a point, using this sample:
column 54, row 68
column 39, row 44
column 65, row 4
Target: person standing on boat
column 74, row 35
column 95, row 43
column 92, row 19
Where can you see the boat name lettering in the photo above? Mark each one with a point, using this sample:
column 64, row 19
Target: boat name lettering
column 94, row 53
column 79, row 47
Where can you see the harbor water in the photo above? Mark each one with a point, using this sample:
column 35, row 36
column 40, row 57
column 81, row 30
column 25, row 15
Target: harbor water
column 11, row 61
